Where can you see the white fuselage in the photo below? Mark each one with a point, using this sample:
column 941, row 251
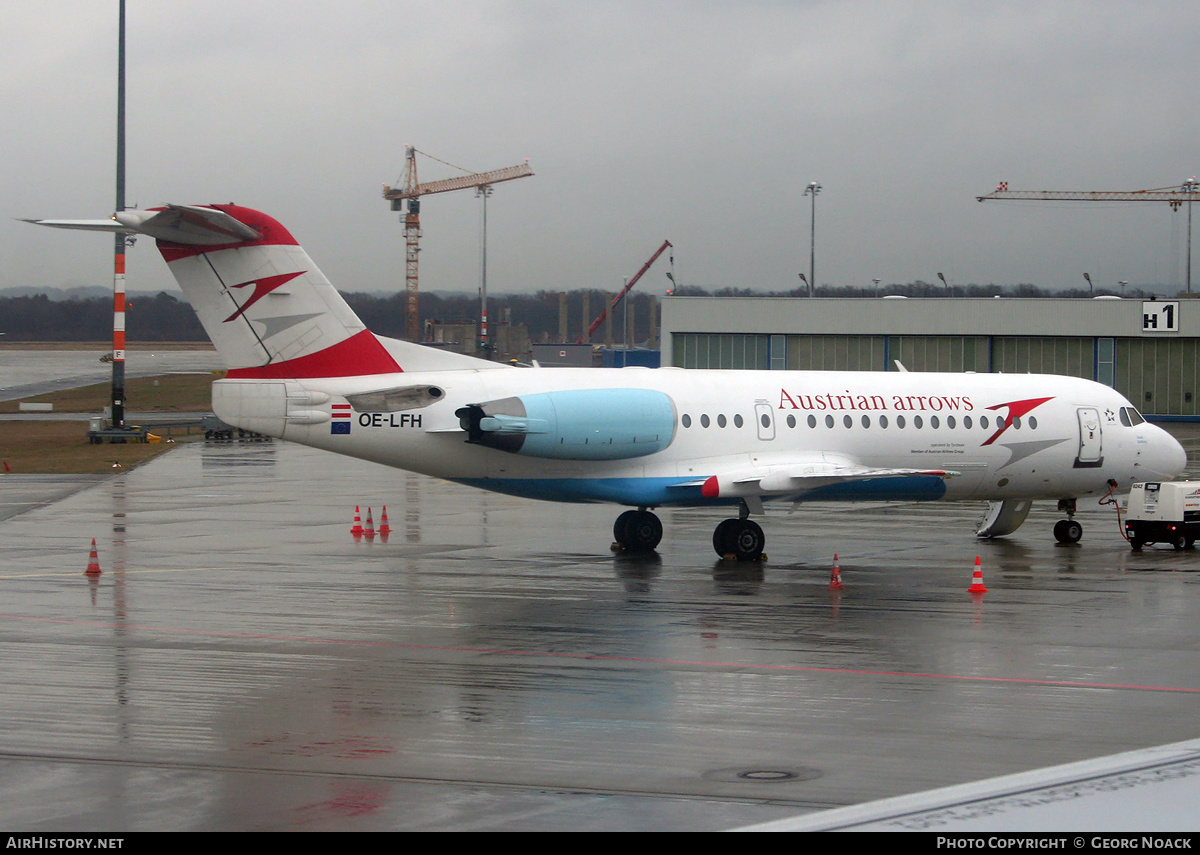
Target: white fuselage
column 996, row 436
column 304, row 367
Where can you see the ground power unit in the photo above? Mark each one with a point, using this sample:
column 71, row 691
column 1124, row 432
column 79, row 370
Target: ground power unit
column 1166, row 512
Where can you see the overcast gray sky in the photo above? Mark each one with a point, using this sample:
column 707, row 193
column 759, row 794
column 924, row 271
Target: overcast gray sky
column 700, row 122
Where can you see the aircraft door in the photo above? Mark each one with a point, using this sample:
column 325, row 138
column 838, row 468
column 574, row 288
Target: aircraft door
column 764, row 416
column 1091, row 445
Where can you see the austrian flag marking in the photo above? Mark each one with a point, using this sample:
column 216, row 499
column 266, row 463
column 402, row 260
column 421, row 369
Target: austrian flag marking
column 340, row 419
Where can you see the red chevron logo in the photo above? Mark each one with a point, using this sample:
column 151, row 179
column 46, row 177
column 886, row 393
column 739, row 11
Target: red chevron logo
column 1016, row 409
column 262, row 287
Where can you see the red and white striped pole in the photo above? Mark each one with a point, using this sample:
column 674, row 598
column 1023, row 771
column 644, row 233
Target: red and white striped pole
column 118, row 378
column 118, row 375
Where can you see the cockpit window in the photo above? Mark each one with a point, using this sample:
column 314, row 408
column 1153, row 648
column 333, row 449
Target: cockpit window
column 1131, row 417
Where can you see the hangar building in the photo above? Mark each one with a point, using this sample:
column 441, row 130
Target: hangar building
column 1145, row 349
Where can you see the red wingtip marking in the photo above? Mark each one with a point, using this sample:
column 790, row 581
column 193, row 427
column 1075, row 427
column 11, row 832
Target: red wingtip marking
column 710, row 489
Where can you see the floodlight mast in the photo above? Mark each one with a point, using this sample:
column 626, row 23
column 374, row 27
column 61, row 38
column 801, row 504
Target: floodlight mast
column 812, row 189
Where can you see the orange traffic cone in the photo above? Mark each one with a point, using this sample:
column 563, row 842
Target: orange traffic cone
column 977, row 579
column 369, row 531
column 93, row 568
column 357, row 528
column 384, row 528
column 835, row 579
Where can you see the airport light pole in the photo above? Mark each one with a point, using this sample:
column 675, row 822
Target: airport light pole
column 1089, row 282
column 812, row 189
column 483, row 191
column 1190, row 186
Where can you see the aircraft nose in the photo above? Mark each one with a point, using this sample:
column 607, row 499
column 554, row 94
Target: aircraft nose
column 1169, row 458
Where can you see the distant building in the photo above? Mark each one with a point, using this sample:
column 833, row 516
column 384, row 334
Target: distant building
column 460, row 338
column 509, row 341
column 563, row 355
column 621, row 358
column 1147, row 350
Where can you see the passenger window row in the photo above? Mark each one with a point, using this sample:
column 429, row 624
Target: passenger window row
column 882, row 421
column 720, row 421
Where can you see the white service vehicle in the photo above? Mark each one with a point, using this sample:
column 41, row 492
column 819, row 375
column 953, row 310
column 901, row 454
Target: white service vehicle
column 1162, row 512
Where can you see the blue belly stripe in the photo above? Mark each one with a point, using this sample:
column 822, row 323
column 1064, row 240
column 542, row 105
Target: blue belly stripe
column 915, row 488
column 621, row 491
column 657, row 492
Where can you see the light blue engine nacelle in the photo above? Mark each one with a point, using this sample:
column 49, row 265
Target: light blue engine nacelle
column 582, row 424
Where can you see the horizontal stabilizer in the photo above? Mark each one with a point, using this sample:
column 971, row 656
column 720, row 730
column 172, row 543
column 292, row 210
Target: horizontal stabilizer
column 109, row 225
column 181, row 224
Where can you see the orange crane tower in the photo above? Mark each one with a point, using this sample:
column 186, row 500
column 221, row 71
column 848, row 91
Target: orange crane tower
column 413, row 191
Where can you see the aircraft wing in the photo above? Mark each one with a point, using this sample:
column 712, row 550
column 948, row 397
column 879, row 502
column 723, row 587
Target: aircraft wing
column 801, row 476
column 1128, row 792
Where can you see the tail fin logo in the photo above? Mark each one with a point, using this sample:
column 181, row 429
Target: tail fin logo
column 262, row 287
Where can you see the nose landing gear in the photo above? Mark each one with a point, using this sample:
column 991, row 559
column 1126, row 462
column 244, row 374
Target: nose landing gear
column 1068, row 530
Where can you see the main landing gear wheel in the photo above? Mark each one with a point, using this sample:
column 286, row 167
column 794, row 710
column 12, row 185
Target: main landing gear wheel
column 743, row 539
column 637, row 531
column 1068, row 531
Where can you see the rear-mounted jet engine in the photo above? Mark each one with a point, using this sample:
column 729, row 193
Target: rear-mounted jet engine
column 582, row 424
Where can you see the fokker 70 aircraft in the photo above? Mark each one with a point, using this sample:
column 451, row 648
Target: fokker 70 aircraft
column 304, row 368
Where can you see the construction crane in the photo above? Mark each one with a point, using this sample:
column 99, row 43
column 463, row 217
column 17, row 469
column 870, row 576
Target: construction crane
column 413, row 191
column 1188, row 191
column 628, row 286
